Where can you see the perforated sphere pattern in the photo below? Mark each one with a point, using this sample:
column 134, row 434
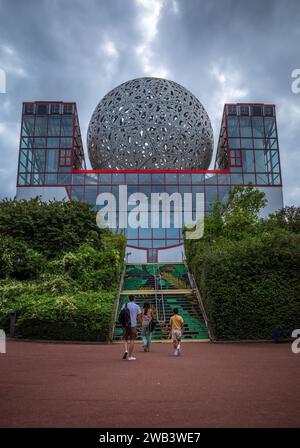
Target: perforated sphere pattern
column 150, row 123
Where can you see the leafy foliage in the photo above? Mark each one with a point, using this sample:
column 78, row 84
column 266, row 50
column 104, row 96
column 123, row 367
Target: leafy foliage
column 50, row 228
column 247, row 269
column 59, row 271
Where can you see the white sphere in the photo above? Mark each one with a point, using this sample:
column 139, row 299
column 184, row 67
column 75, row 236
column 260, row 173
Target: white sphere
column 150, row 123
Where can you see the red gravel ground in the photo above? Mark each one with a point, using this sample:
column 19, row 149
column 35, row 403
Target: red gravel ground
column 210, row 385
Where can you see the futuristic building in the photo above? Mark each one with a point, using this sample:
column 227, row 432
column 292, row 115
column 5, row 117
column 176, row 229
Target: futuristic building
column 148, row 138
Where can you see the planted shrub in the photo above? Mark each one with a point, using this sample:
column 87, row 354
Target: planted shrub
column 248, row 276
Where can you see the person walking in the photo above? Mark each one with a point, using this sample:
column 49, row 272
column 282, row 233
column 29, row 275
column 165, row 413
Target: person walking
column 130, row 315
column 147, row 326
column 176, row 327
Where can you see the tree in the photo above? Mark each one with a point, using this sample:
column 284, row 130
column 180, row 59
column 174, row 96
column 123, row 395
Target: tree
column 50, row 228
column 241, row 215
column 287, row 218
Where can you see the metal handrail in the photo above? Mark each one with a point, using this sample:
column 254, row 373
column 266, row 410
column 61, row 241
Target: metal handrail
column 199, row 298
column 162, row 297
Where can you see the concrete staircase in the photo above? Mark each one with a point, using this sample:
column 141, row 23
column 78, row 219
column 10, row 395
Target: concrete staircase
column 165, row 286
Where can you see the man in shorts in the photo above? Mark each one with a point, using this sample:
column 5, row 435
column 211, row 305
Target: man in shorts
column 129, row 332
column 176, row 326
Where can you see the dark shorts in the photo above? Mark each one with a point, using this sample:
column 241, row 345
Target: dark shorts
column 129, row 333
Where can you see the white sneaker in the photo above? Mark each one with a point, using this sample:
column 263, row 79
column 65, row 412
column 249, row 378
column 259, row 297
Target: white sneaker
column 131, row 358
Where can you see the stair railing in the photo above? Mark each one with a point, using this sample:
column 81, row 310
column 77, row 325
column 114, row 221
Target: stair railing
column 199, row 298
column 161, row 295
column 116, row 306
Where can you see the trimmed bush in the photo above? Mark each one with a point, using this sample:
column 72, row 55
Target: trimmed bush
column 82, row 316
column 250, row 287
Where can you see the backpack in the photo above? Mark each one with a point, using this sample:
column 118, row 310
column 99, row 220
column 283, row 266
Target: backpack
column 124, row 317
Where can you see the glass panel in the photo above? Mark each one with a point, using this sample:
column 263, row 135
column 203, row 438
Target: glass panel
column 105, row 179
column 67, row 125
column 234, row 143
column 258, row 127
column 65, row 179
column 236, row 179
column 248, row 162
column 258, row 143
column 39, row 158
column 28, row 126
column 249, row 179
column 132, row 179
column 185, row 179
column 54, row 126
column 118, row 179
column 66, row 142
column 233, row 127
column 40, row 126
column 262, row 179
column 272, row 161
column 42, row 109
column 145, row 233
column 260, row 161
column 198, row 178
column 158, row 179
column 144, row 179
column 223, row 179
column 52, row 161
column 245, row 125
column 52, row 142
column 145, row 243
column 270, row 127
column 246, row 143
column 40, row 142
column 51, row 178
column 171, row 178
column 27, row 143
column 173, row 233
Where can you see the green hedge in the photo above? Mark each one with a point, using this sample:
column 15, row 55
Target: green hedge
column 82, row 316
column 250, row 287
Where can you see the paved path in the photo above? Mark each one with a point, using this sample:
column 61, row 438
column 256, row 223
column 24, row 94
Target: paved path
column 210, row 385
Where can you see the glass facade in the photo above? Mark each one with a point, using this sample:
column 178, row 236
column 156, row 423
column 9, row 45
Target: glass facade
column 51, row 154
column 248, row 144
column 51, row 145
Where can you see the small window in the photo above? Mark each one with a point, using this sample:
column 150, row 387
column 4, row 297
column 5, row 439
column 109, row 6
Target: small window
column 64, row 157
column 55, row 108
column 269, row 111
column 68, row 108
column 29, row 108
column 236, row 158
column 231, row 110
column 244, row 110
column 42, row 109
column 257, row 111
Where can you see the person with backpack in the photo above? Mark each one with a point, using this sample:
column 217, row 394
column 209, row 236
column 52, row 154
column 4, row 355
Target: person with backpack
column 129, row 315
column 148, row 325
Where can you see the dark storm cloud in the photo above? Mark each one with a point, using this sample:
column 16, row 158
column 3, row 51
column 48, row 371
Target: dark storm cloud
column 220, row 50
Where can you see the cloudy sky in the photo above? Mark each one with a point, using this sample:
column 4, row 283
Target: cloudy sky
column 221, row 50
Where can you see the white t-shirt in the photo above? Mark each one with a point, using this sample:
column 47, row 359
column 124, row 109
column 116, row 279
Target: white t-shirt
column 134, row 310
